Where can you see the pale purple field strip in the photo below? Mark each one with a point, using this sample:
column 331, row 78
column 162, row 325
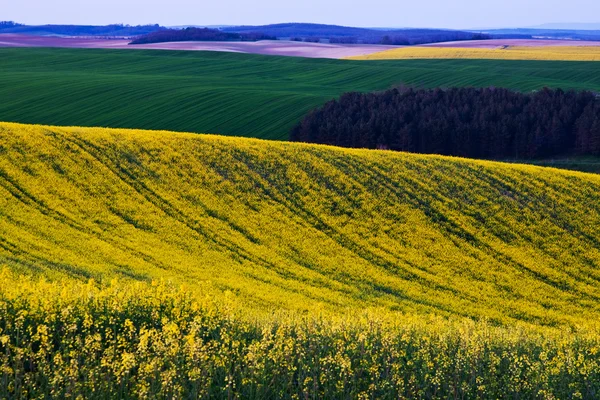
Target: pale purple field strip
column 267, row 47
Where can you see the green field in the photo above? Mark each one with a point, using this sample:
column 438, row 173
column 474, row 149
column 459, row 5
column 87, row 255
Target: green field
column 230, row 94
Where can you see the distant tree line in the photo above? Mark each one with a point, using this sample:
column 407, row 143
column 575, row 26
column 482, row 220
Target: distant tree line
column 8, row 24
column 199, row 34
column 405, row 38
column 410, row 37
column 478, row 123
column 311, row 39
column 351, row 35
column 563, row 34
column 344, row 40
column 114, row 30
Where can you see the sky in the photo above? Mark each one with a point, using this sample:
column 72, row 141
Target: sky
column 453, row 14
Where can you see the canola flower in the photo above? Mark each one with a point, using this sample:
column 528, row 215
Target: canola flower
column 296, row 271
column 303, row 227
column 137, row 340
column 558, row 53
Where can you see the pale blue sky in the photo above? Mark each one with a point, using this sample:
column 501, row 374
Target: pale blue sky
column 382, row 13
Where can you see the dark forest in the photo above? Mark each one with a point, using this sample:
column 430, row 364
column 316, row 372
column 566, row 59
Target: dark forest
column 477, row 123
column 198, row 34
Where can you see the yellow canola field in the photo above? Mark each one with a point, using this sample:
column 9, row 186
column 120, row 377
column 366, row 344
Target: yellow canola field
column 565, row 53
column 142, row 341
column 285, row 226
column 139, row 264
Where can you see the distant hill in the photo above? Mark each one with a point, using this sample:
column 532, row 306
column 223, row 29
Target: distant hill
column 295, row 31
column 199, row 26
column 345, row 34
column 570, row 26
column 545, row 33
column 114, row 30
column 200, row 35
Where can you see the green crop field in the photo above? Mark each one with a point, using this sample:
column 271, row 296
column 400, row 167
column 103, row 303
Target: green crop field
column 230, row 94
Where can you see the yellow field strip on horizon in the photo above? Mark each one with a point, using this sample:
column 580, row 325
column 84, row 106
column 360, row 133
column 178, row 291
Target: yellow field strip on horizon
column 557, row 53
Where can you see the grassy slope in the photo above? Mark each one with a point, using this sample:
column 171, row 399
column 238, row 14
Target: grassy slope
column 303, row 226
column 564, row 53
column 232, row 94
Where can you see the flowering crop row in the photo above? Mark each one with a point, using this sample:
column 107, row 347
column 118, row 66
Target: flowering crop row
column 139, row 340
column 559, row 53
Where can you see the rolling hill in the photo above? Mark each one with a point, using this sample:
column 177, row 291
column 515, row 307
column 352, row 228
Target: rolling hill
column 285, row 226
column 345, row 34
column 559, row 31
column 230, row 94
column 114, row 30
column 174, row 265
